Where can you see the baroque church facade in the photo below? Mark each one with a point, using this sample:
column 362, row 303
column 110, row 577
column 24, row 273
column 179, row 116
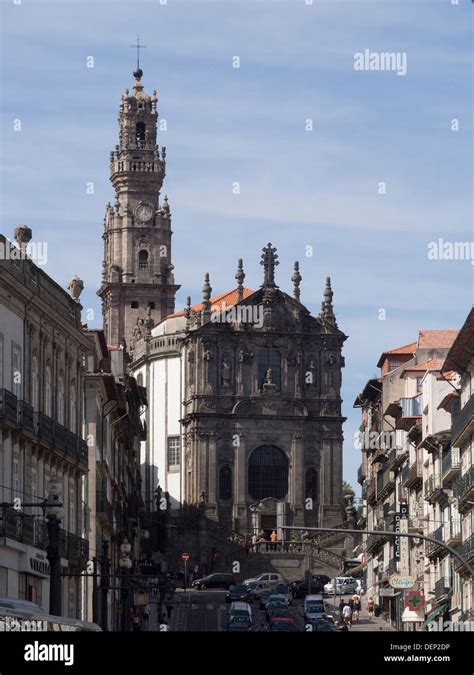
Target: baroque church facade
column 244, row 415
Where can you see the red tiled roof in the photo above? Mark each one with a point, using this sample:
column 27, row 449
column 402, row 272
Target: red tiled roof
column 436, row 338
column 432, row 364
column 408, row 349
column 227, row 299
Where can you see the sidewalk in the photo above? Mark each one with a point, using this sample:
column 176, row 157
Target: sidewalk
column 364, row 623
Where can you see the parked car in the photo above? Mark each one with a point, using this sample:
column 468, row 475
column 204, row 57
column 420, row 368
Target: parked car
column 216, row 580
column 257, row 588
column 314, row 607
column 276, row 611
column 324, row 625
column 239, row 592
column 272, row 578
column 264, row 599
column 341, row 586
column 274, row 605
column 300, row 588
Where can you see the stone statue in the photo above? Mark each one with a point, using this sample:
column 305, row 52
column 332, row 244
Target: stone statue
column 75, row 287
column 226, row 371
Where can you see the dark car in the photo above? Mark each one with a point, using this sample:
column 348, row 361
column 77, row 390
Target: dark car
column 279, row 613
column 300, row 589
column 239, row 592
column 264, row 599
column 273, row 607
column 216, row 580
column 240, row 624
column 283, row 625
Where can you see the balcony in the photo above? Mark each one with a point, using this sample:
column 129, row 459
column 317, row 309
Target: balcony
column 77, row 550
column 103, row 506
column 434, row 548
column 375, row 541
column 60, row 433
column 414, row 478
column 8, row 407
column 451, row 466
column 466, row 550
column 385, row 484
column 44, row 428
column 433, row 489
column 452, row 532
column 361, row 474
column 369, row 489
column 26, row 417
column 18, row 527
column 83, row 452
column 463, row 488
column 410, row 412
column 463, row 424
column 442, row 588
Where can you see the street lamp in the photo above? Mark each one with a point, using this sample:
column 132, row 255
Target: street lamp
column 125, row 564
column 54, row 515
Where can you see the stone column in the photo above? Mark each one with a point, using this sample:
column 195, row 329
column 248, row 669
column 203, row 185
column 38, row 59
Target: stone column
column 297, row 479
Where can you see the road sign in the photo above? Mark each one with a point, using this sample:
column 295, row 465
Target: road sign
column 401, row 581
column 184, row 556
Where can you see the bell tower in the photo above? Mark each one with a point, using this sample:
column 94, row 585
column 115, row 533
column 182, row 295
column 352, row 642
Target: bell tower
column 137, row 277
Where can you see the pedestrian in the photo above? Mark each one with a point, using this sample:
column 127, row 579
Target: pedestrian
column 146, row 614
column 355, row 607
column 347, row 615
column 341, row 607
column 254, row 542
column 370, row 606
column 135, row 621
column 273, row 539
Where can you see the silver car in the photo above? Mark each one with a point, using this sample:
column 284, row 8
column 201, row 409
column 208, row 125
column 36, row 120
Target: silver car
column 341, row 586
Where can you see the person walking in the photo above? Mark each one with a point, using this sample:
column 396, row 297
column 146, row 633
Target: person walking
column 341, row 607
column 356, row 603
column 273, row 539
column 135, row 621
column 370, row 607
column 254, row 543
column 347, row 615
column 146, row 615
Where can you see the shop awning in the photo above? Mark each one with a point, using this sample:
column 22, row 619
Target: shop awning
column 436, row 612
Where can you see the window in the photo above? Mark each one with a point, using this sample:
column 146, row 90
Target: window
column 140, row 379
column 3, row 582
column 174, row 453
column 268, row 473
column 16, row 478
column 29, row 588
column 311, row 484
column 134, row 304
column 34, row 484
column 151, row 305
column 61, row 400
column 419, row 386
column 225, row 483
column 34, row 383
column 140, row 134
column 72, row 406
column 48, row 393
column 269, row 358
column 394, row 364
column 143, row 260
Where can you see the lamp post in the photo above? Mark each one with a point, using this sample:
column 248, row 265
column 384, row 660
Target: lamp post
column 125, row 564
column 54, row 514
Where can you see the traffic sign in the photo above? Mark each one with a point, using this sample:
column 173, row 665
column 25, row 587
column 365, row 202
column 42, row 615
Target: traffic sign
column 401, row 581
column 184, row 556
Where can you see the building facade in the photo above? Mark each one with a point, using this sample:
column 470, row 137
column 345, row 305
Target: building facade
column 42, row 349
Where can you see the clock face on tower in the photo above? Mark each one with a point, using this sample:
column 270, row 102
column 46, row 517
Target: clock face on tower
column 144, row 212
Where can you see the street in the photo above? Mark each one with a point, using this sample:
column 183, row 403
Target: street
column 206, row 611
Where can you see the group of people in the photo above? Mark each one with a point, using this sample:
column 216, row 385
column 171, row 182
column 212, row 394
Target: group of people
column 349, row 610
column 140, row 617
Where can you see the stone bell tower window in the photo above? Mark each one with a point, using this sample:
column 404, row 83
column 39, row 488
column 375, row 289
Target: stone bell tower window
column 140, row 135
column 143, row 260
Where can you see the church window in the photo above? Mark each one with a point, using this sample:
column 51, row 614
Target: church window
column 140, row 134
column 225, row 483
column 268, row 473
column 311, row 484
column 174, row 453
column 269, row 358
column 143, row 260
column 134, row 304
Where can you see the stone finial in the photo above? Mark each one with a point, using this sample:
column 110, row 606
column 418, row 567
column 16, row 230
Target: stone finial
column 240, row 276
column 166, row 206
column 22, row 235
column 296, row 279
column 206, row 298
column 327, row 312
column 75, row 287
column 269, row 260
column 187, row 312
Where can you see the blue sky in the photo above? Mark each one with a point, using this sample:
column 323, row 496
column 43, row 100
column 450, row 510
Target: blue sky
column 247, row 125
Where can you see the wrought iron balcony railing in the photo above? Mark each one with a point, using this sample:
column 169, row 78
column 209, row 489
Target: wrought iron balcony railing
column 464, row 421
column 8, row 406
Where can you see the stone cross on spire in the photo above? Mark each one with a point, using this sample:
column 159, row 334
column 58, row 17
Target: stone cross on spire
column 269, row 261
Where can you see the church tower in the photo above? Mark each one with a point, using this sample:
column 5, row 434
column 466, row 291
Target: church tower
column 137, row 278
